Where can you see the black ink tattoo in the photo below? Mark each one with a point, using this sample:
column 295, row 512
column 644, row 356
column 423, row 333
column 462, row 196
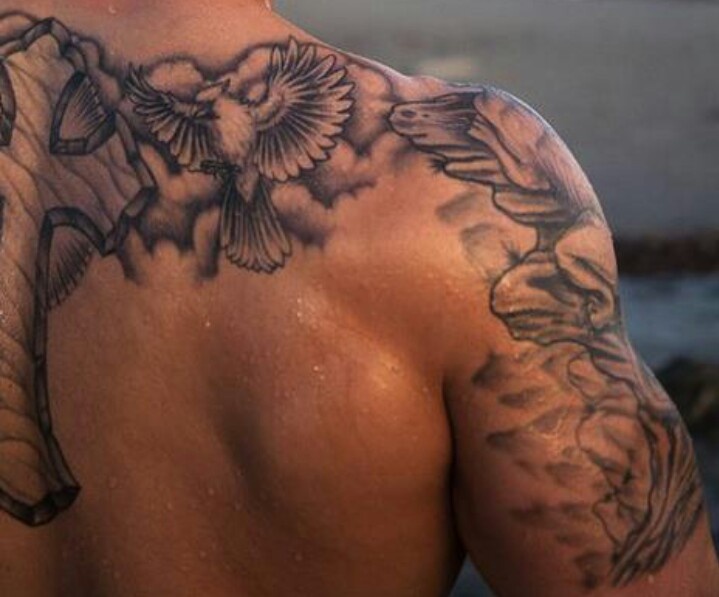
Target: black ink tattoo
column 247, row 144
column 76, row 182
column 561, row 297
column 7, row 107
column 81, row 124
column 71, row 174
column 86, row 160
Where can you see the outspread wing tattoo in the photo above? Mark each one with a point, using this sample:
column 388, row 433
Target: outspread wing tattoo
column 73, row 183
column 250, row 144
column 184, row 127
column 307, row 103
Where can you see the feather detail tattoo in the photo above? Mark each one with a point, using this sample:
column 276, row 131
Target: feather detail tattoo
column 248, row 145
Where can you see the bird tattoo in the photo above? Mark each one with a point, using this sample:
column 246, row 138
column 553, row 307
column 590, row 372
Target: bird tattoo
column 249, row 144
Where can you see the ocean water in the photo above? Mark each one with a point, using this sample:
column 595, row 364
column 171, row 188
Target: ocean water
column 673, row 316
column 667, row 317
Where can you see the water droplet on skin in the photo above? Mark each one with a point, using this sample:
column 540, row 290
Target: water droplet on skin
column 211, row 491
column 299, row 556
column 169, row 506
column 112, row 10
column 112, row 482
column 203, row 555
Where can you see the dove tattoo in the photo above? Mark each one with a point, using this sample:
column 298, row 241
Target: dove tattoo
column 248, row 144
column 74, row 185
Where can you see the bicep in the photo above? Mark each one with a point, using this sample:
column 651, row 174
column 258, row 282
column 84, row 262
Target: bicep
column 572, row 465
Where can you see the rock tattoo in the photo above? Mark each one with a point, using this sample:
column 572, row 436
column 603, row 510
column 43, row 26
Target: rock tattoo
column 87, row 160
column 561, row 298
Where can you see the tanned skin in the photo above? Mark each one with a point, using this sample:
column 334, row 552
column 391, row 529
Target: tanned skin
column 277, row 320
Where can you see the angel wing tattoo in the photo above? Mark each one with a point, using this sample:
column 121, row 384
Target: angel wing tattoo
column 248, row 145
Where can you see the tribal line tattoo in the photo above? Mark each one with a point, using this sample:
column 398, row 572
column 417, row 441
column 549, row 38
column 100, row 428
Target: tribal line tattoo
column 562, row 299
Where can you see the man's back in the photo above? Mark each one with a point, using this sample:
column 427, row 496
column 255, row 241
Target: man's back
column 310, row 322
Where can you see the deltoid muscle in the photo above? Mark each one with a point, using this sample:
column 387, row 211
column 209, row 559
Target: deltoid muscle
column 68, row 171
column 72, row 183
column 560, row 297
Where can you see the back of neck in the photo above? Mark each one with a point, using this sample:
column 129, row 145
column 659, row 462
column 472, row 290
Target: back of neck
column 137, row 31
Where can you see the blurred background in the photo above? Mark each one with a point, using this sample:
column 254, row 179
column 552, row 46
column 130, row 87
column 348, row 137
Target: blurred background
column 633, row 87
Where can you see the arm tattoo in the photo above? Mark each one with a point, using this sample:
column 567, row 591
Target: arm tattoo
column 563, row 300
column 90, row 159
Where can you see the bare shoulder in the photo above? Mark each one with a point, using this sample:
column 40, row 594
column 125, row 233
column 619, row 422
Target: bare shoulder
column 487, row 136
column 495, row 184
column 283, row 158
column 578, row 444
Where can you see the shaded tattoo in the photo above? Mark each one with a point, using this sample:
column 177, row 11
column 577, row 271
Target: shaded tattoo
column 90, row 159
column 70, row 173
column 246, row 144
column 88, row 156
column 7, row 107
column 563, row 299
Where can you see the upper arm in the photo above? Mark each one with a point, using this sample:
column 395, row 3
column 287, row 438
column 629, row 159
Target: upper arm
column 573, row 468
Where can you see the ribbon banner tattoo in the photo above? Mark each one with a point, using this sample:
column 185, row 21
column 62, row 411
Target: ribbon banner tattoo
column 231, row 166
column 75, row 184
column 71, row 173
